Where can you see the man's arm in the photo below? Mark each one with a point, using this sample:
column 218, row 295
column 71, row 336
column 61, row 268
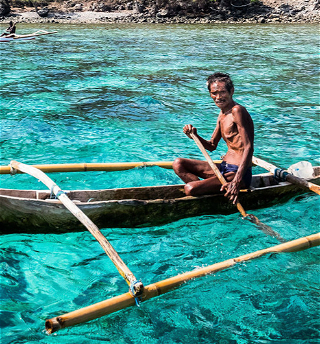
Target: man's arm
column 209, row 145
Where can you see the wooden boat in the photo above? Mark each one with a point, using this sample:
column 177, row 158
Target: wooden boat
column 33, row 211
column 25, row 37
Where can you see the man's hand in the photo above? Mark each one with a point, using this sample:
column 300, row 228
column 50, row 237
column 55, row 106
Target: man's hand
column 189, row 129
column 232, row 190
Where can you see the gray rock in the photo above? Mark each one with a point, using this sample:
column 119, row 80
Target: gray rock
column 129, row 6
column 77, row 7
column 43, row 12
column 162, row 13
column 138, row 8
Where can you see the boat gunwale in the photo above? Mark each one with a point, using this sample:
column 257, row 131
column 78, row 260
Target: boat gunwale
column 35, row 216
column 138, row 188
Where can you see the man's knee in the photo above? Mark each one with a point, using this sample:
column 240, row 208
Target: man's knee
column 189, row 189
column 177, row 164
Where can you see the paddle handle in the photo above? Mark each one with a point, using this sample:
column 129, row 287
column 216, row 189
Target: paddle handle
column 216, row 170
column 265, row 228
column 83, row 218
column 290, row 178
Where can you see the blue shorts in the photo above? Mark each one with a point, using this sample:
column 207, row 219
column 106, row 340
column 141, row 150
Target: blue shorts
column 225, row 168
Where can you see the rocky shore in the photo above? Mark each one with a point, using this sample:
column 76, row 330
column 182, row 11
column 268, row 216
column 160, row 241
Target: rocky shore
column 264, row 11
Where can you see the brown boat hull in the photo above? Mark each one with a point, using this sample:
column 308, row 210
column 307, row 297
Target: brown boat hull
column 30, row 211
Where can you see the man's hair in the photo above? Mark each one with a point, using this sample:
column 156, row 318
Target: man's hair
column 220, row 77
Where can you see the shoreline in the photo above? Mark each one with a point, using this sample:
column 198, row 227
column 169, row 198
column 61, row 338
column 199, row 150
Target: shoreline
column 90, row 17
column 269, row 11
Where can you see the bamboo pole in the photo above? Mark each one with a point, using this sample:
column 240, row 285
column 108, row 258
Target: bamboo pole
column 92, row 228
column 289, row 177
column 126, row 300
column 43, row 32
column 83, row 167
column 265, row 228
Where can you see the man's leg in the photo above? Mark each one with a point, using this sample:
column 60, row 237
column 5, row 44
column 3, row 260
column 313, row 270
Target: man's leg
column 190, row 170
column 208, row 186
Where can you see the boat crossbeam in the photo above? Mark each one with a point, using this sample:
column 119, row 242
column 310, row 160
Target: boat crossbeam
column 135, row 286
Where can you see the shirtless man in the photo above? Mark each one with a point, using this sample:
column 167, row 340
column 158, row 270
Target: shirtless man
column 10, row 31
column 235, row 126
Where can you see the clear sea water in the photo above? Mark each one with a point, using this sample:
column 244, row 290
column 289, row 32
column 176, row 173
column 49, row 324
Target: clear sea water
column 99, row 93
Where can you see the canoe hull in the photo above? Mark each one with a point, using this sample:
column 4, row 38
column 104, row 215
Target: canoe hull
column 30, row 211
column 9, row 39
column 25, row 37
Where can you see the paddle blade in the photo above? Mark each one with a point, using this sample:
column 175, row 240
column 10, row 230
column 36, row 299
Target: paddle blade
column 265, row 228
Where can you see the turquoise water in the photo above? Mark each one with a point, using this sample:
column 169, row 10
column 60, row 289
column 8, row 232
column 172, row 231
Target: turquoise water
column 123, row 93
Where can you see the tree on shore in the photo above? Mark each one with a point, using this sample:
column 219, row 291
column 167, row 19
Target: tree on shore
column 4, row 7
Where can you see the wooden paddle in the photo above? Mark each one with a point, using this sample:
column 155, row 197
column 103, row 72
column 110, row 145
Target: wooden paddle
column 265, row 228
column 153, row 290
column 287, row 176
column 83, row 218
column 83, row 167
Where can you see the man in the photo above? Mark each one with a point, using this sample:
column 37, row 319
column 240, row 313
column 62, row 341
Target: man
column 10, row 31
column 235, row 126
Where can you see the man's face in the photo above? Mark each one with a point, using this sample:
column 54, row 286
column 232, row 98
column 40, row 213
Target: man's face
column 220, row 94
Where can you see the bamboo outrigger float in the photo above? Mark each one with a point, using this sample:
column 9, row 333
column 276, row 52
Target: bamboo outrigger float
column 126, row 300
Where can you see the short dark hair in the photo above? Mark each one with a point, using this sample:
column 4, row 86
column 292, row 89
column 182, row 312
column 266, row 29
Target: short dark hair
column 220, row 77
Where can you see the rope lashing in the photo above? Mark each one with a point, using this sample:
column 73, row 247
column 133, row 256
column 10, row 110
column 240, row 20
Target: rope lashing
column 59, row 193
column 280, row 175
column 13, row 171
column 134, row 293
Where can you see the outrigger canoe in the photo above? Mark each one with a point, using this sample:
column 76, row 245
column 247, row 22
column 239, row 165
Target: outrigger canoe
column 35, row 211
column 25, row 37
column 137, row 291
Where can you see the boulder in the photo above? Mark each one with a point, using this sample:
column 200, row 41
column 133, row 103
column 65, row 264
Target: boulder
column 138, row 7
column 100, row 7
column 163, row 13
column 129, row 6
column 43, row 12
column 77, row 7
